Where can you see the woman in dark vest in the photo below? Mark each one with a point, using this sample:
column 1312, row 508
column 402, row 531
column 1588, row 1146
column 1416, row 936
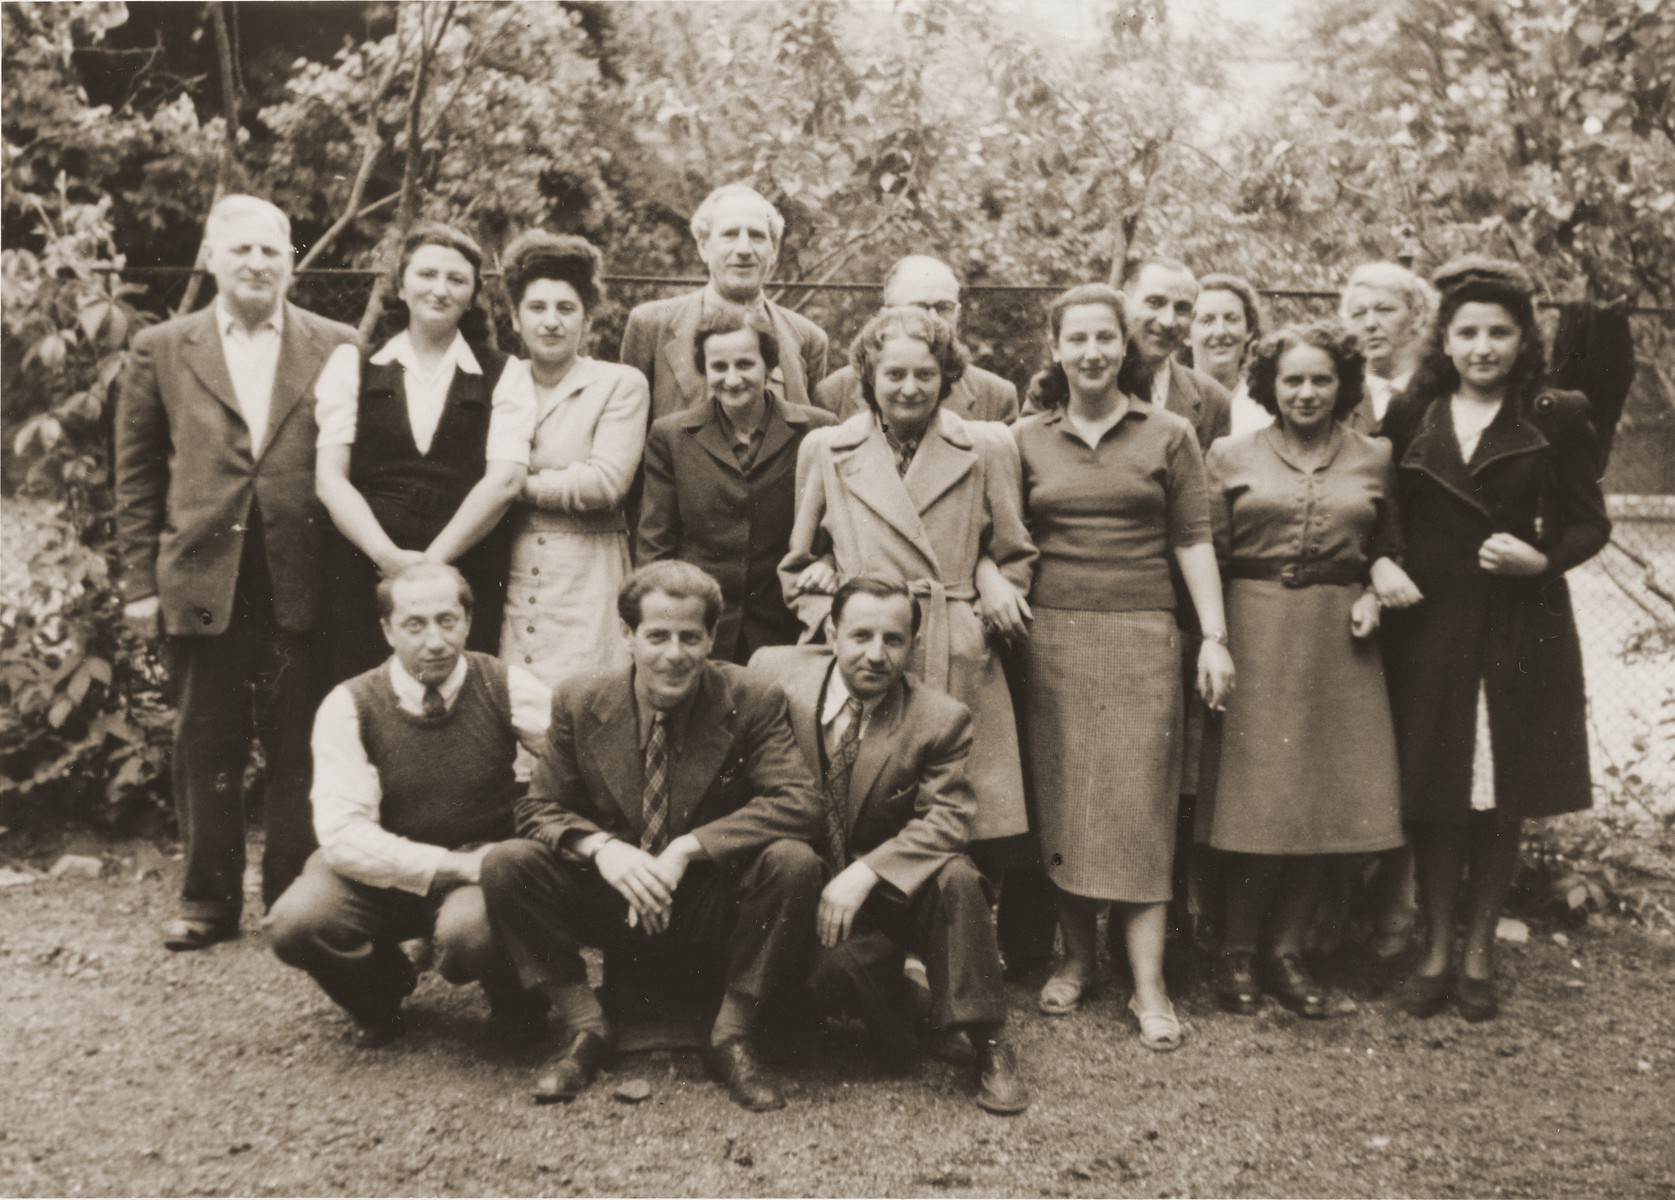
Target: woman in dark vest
column 1498, row 489
column 419, row 454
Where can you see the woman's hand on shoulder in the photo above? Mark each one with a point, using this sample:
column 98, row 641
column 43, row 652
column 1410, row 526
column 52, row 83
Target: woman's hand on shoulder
column 1510, row 557
column 1393, row 586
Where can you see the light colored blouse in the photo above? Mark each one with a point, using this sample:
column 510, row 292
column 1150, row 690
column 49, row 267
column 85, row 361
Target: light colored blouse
column 337, row 396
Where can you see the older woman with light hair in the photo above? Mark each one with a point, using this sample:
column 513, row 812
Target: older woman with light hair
column 1390, row 309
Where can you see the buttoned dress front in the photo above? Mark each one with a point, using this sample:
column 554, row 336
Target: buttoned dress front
column 1308, row 754
column 570, row 538
column 1103, row 701
column 957, row 504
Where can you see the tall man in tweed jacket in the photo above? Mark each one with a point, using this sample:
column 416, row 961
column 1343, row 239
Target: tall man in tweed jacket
column 738, row 234
column 220, row 535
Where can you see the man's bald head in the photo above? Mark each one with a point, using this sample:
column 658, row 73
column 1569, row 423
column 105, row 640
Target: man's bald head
column 920, row 281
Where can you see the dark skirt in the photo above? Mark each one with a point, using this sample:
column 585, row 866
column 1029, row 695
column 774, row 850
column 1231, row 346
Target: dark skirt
column 1308, row 755
column 1103, row 693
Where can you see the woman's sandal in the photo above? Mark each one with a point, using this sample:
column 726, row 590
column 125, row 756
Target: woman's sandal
column 1063, row 994
column 1160, row 1029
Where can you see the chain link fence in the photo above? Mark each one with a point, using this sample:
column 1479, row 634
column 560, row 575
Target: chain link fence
column 1625, row 597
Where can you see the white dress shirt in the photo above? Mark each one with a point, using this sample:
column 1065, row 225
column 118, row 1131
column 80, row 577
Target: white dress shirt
column 347, row 793
column 833, row 722
column 1248, row 415
column 337, row 398
column 252, row 358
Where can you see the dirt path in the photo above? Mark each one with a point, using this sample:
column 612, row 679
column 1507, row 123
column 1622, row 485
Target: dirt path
column 126, row 1070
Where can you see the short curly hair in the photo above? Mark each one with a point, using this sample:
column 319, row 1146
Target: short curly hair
column 1340, row 346
column 908, row 322
column 536, row 254
column 1241, row 287
column 732, row 319
column 1419, row 296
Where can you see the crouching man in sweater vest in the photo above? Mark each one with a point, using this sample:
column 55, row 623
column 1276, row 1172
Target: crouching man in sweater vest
column 413, row 783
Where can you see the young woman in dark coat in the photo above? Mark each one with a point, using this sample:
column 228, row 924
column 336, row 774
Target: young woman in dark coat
column 1497, row 482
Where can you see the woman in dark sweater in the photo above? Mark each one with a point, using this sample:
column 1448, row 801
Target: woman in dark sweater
column 419, row 455
column 1497, row 484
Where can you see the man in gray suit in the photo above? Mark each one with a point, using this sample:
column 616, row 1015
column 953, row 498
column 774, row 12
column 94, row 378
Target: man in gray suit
column 1160, row 294
column 920, row 281
column 219, row 532
column 738, row 234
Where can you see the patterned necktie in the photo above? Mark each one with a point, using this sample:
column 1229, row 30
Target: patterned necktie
column 838, row 771
column 434, row 706
column 656, row 800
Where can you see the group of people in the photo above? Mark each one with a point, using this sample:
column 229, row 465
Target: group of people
column 779, row 680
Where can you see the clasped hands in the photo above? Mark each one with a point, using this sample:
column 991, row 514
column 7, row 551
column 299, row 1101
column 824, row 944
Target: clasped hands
column 646, row 881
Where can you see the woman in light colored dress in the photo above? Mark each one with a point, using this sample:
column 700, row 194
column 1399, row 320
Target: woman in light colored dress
column 1226, row 323
column 1305, row 525
column 1113, row 494
column 907, row 488
column 570, row 543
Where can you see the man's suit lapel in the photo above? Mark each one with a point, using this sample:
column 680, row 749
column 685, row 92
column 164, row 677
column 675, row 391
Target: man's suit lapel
column 1185, row 400
column 877, row 744
column 204, row 358
column 790, row 352
column 677, row 349
column 614, row 743
column 298, row 365
column 709, row 738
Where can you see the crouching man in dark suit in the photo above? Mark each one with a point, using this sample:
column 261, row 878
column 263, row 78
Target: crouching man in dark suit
column 413, row 780
column 891, row 755
column 669, row 814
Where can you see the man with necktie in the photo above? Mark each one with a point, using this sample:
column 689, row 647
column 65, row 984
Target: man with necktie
column 668, row 819
column 414, row 780
column 220, row 536
column 891, row 756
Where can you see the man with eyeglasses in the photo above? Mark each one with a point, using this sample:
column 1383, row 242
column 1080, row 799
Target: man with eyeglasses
column 921, row 281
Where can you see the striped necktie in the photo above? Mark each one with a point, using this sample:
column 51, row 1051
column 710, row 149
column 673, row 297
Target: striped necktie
column 656, row 800
column 838, row 771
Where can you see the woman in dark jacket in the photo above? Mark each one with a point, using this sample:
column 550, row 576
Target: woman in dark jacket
column 419, row 455
column 1497, row 483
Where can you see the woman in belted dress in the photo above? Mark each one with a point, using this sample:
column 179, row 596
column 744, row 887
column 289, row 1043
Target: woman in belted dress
column 1113, row 494
column 418, row 455
column 569, row 535
column 1498, row 486
column 1305, row 527
column 908, row 488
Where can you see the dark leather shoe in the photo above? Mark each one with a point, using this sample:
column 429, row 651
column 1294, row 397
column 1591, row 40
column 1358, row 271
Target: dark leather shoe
column 195, row 933
column 1235, row 984
column 734, row 1063
column 1476, row 998
column 565, row 1077
column 1424, row 995
column 1292, row 986
column 947, row 1045
column 1000, row 1089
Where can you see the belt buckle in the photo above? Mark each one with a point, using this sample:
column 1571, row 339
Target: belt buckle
column 1291, row 575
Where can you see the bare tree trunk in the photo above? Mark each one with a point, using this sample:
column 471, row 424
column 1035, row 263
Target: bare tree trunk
column 229, row 172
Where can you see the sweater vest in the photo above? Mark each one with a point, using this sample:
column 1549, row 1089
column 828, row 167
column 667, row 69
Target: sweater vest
column 446, row 781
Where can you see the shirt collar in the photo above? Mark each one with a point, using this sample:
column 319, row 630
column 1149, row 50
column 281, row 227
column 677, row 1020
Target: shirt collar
column 1160, row 383
column 675, row 719
column 837, row 695
column 399, row 349
column 715, row 302
column 226, row 322
column 1138, row 409
column 411, row 693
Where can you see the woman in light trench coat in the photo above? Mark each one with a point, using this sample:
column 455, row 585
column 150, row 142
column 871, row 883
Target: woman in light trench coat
column 907, row 488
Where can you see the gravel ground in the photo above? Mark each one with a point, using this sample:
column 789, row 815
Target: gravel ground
column 127, row 1070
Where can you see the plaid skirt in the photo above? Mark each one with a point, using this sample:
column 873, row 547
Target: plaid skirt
column 1104, row 725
